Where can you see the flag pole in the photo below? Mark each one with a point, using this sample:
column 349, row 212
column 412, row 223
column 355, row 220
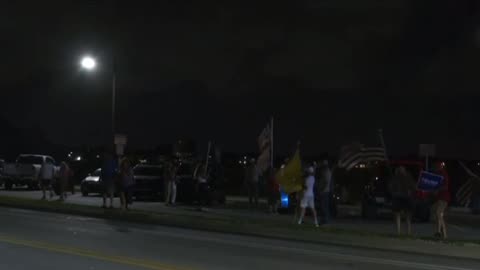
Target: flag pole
column 271, row 144
column 208, row 155
column 382, row 143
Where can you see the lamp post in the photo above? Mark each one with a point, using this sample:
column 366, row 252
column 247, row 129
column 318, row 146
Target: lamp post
column 89, row 63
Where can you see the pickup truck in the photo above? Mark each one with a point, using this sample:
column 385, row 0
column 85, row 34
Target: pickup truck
column 25, row 171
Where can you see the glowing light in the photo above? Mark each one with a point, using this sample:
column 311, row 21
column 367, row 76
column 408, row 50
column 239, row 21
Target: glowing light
column 284, row 201
column 88, row 63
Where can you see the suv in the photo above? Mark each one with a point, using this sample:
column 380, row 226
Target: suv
column 377, row 198
column 187, row 186
column 148, row 180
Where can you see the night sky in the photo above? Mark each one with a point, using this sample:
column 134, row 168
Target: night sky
column 329, row 71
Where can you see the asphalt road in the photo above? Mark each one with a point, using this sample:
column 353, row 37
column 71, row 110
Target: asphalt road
column 386, row 226
column 37, row 240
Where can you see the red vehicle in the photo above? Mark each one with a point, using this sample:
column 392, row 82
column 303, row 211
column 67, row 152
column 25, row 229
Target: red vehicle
column 377, row 199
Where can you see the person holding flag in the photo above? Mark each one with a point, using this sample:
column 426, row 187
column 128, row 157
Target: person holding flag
column 290, row 179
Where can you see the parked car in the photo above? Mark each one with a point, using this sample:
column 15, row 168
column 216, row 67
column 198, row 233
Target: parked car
column 25, row 171
column 377, row 198
column 149, row 181
column 92, row 183
column 187, row 186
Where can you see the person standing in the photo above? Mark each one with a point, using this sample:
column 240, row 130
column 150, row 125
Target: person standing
column 273, row 192
column 308, row 199
column 107, row 177
column 251, row 181
column 127, row 183
column 402, row 188
column 171, row 184
column 324, row 191
column 64, row 180
column 442, row 199
column 47, row 173
column 202, row 186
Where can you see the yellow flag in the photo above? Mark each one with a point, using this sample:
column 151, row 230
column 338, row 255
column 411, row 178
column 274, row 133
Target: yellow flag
column 290, row 178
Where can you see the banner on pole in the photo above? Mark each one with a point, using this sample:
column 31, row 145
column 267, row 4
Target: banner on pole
column 265, row 146
column 429, row 181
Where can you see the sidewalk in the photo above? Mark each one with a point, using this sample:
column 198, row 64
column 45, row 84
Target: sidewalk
column 343, row 231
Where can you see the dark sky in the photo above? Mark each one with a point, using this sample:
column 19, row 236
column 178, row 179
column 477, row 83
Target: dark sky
column 330, row 71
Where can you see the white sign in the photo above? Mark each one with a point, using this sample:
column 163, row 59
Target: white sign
column 427, row 150
column 120, row 139
column 119, row 149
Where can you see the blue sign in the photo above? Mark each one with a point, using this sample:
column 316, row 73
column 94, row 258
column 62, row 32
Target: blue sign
column 429, row 181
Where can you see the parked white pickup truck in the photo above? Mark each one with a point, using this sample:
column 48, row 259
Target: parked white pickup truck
column 25, row 171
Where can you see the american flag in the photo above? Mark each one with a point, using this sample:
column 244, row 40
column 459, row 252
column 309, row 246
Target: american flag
column 265, row 147
column 355, row 154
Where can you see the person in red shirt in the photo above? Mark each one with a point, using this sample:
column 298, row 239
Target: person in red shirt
column 273, row 192
column 442, row 199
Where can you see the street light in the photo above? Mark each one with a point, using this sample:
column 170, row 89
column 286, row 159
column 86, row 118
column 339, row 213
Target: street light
column 89, row 63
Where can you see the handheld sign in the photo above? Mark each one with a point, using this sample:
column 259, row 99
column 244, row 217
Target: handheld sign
column 429, row 181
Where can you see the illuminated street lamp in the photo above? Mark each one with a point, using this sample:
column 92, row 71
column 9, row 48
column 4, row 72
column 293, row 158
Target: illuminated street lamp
column 88, row 63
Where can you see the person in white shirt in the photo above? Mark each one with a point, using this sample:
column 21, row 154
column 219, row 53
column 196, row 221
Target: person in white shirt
column 308, row 199
column 47, row 172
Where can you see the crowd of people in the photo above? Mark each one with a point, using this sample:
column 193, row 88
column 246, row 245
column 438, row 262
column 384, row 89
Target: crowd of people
column 317, row 186
column 317, row 189
column 117, row 175
column 114, row 177
column 47, row 175
column 403, row 187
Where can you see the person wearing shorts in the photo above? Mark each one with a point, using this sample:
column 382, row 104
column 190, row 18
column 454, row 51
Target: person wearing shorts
column 308, row 199
column 109, row 168
column 47, row 172
column 273, row 192
column 402, row 188
column 441, row 202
